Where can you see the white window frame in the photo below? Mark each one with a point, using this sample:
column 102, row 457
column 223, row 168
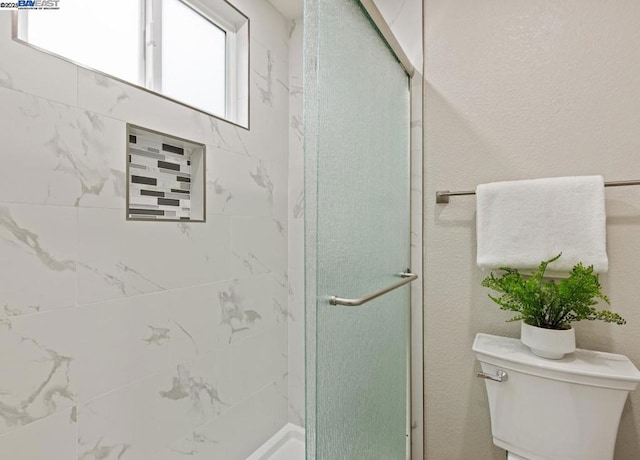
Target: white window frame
column 237, row 72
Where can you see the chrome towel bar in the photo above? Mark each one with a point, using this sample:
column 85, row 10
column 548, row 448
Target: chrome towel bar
column 407, row 278
column 443, row 195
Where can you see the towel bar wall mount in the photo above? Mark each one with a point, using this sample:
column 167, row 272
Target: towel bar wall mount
column 442, row 196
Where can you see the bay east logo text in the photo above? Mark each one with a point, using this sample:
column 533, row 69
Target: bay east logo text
column 30, row 5
column 38, row 3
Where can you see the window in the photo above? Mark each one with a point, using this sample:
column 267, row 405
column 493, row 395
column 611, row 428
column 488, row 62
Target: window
column 183, row 77
column 193, row 53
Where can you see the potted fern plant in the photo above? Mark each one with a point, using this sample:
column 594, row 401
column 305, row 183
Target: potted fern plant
column 547, row 308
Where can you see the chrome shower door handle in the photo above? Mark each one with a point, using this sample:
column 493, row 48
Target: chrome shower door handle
column 500, row 376
column 406, row 276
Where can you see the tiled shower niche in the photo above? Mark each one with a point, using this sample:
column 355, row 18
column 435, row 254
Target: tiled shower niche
column 165, row 177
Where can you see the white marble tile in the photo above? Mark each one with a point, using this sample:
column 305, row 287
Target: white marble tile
column 250, row 306
column 268, row 26
column 106, row 96
column 55, row 359
column 296, row 373
column 279, row 175
column 257, row 247
column 296, row 123
column 296, row 149
column 296, row 135
column 236, row 433
column 269, row 106
column 267, row 138
column 180, row 325
column 259, row 360
column 66, row 156
column 26, row 69
column 296, row 190
column 296, row 343
column 203, row 388
column 240, row 185
column 209, row 317
column 296, row 271
column 38, row 250
column 119, row 258
column 295, row 396
column 52, row 438
column 270, row 75
column 206, row 359
column 268, row 110
column 134, row 421
column 280, row 305
column 37, row 367
column 120, row 425
column 196, row 322
column 282, row 385
column 225, row 136
column 119, row 342
column 296, row 53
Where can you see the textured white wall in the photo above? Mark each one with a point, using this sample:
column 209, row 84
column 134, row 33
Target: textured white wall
column 515, row 90
column 139, row 340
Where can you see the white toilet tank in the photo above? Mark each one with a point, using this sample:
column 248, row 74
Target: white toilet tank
column 567, row 409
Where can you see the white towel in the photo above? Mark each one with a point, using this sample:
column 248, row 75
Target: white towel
column 521, row 223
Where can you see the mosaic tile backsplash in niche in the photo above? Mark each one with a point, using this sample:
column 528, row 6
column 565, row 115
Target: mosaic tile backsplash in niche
column 163, row 177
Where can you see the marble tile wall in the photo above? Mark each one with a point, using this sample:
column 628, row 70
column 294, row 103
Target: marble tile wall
column 296, row 228
column 139, row 340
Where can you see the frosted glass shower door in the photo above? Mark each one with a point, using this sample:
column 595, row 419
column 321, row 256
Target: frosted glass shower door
column 357, row 192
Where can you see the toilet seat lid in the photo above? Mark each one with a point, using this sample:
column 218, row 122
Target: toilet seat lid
column 582, row 363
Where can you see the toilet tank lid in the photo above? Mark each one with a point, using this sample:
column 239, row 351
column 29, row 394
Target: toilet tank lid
column 581, row 362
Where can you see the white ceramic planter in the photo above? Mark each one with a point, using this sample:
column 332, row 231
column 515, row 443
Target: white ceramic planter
column 548, row 343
